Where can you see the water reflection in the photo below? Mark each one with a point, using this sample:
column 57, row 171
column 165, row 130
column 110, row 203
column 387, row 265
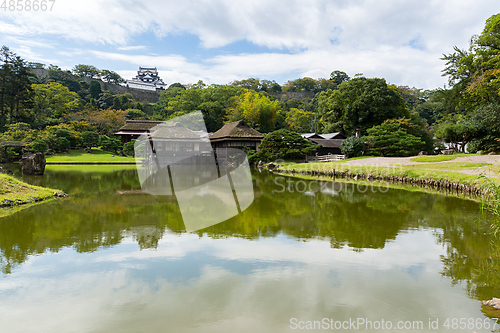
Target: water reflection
column 398, row 241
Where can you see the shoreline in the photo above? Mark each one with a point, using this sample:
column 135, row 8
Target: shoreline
column 14, row 192
column 473, row 191
column 467, row 175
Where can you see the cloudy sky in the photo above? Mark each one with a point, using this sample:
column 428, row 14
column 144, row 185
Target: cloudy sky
column 219, row 41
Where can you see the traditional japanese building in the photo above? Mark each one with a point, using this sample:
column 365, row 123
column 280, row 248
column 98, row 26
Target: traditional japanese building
column 134, row 128
column 147, row 79
column 331, row 143
column 236, row 135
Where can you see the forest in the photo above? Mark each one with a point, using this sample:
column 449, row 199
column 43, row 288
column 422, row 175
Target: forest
column 61, row 110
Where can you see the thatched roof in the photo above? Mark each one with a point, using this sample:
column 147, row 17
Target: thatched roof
column 174, row 131
column 139, row 125
column 332, row 143
column 237, row 130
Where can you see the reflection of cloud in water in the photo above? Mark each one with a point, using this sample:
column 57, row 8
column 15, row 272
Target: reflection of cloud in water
column 219, row 300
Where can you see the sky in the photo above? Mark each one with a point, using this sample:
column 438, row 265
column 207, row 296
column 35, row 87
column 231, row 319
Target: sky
column 219, row 41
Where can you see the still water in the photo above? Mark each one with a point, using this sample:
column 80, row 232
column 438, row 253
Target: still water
column 107, row 259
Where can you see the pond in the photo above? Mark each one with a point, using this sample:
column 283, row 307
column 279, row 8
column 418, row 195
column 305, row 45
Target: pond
column 304, row 255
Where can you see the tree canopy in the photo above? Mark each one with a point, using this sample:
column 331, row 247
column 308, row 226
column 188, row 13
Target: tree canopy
column 359, row 103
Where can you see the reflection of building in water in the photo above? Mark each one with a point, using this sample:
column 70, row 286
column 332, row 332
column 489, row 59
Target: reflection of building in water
column 147, row 79
column 175, row 143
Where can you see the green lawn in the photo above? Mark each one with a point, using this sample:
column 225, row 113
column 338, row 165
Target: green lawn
column 437, row 171
column 80, row 156
column 15, row 192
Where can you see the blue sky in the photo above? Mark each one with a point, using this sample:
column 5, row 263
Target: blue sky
column 219, row 41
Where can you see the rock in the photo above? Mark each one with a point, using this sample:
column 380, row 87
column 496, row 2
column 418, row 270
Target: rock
column 33, row 164
column 112, row 155
column 271, row 166
column 60, row 195
column 260, row 164
column 6, row 171
column 494, row 303
column 422, row 153
column 492, row 153
column 480, row 152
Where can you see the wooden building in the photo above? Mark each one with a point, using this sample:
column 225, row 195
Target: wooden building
column 134, row 128
column 236, row 135
column 330, row 142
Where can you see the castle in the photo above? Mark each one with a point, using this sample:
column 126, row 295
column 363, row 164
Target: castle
column 147, row 79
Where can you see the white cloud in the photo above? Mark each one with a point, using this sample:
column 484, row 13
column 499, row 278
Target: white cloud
column 399, row 40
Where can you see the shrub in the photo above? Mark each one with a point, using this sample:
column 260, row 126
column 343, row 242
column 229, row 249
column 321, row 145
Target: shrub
column 110, row 144
column 38, row 146
column 353, row 146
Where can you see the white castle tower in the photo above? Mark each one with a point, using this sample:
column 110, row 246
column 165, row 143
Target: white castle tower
column 147, row 79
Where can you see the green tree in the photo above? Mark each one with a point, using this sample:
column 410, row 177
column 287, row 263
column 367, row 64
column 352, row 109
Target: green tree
column 53, row 100
column 128, row 148
column 359, row 103
column 90, row 139
column 110, row 144
column 176, row 85
column 283, row 144
column 299, row 120
column 63, row 77
column 86, row 71
column 38, row 146
column 111, row 77
column 352, row 146
column 488, row 116
column 135, row 114
column 302, row 84
column 256, row 109
column 16, row 92
column 459, row 131
column 95, row 89
column 18, row 132
column 212, row 101
column 474, row 75
column 392, row 139
column 338, row 77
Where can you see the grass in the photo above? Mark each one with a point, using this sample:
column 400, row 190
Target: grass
column 438, row 171
column 14, row 192
column 490, row 201
column 80, row 156
column 104, row 168
column 439, row 158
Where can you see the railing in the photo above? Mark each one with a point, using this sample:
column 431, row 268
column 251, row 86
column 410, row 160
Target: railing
column 326, row 158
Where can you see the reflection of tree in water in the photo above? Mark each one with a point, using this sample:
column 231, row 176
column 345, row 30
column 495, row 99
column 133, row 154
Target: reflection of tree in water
column 472, row 252
column 97, row 218
column 337, row 211
column 86, row 224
